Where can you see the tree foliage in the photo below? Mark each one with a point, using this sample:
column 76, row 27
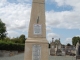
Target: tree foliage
column 68, row 44
column 16, row 43
column 2, row 30
column 7, row 43
column 11, row 46
column 22, row 38
column 15, row 40
column 75, row 40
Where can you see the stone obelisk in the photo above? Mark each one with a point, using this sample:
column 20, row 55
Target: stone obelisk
column 36, row 46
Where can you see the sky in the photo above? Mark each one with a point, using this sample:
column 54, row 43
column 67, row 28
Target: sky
column 62, row 18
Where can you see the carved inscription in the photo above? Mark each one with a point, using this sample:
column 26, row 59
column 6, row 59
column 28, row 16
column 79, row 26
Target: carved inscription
column 36, row 53
column 37, row 29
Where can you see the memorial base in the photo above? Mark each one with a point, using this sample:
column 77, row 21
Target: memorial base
column 36, row 49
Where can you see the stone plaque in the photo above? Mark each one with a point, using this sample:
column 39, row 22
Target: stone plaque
column 36, row 52
column 37, row 29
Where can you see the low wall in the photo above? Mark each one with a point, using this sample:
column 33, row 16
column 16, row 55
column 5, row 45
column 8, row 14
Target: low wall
column 4, row 53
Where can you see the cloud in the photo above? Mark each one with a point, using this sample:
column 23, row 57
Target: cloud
column 48, row 29
column 23, row 1
column 52, row 35
column 64, row 19
column 3, row 2
column 59, row 2
column 12, row 34
column 77, row 35
column 68, row 40
column 15, row 16
column 66, row 2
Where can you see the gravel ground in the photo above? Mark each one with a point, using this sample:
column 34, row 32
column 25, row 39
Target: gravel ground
column 21, row 57
column 62, row 58
column 16, row 57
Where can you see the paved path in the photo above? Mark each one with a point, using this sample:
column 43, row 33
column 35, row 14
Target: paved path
column 21, row 57
column 62, row 58
column 16, row 57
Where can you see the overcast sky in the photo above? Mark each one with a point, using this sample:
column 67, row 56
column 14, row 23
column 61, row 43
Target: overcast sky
column 62, row 18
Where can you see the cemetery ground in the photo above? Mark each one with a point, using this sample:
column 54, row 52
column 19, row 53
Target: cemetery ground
column 21, row 57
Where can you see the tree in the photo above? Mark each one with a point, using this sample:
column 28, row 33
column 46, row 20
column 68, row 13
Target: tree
column 2, row 30
column 68, row 44
column 75, row 40
column 15, row 40
column 7, row 39
column 22, row 38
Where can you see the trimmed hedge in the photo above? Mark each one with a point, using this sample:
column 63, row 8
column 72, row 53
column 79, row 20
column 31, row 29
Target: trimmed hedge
column 11, row 46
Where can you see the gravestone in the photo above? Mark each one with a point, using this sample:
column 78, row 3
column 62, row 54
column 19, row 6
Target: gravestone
column 78, row 50
column 36, row 46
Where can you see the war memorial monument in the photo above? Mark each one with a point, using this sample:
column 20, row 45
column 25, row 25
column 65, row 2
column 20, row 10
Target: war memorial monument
column 36, row 46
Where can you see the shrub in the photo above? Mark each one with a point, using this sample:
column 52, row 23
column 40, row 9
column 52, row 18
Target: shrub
column 11, row 46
